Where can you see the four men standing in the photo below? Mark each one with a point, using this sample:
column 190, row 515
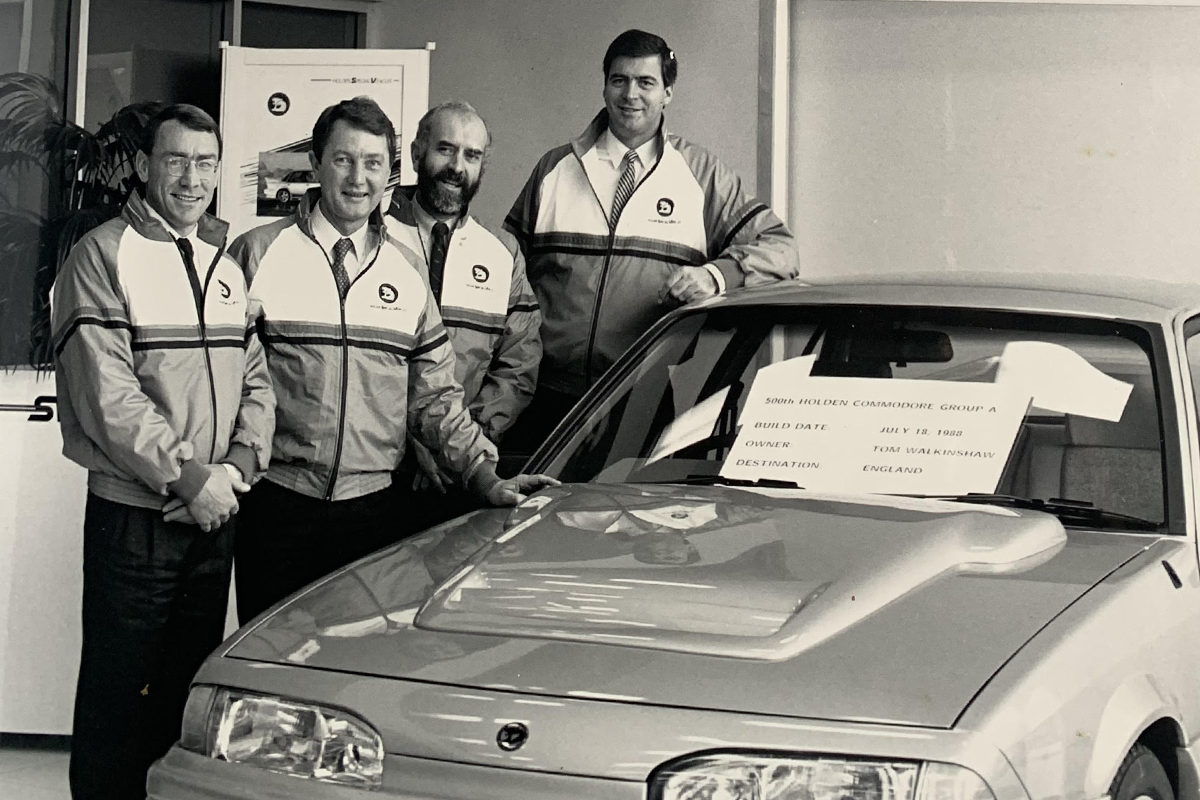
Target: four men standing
column 353, row 344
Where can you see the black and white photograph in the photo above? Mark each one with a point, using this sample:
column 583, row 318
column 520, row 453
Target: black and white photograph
column 547, row 399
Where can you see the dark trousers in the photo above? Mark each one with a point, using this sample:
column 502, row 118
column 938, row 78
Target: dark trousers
column 154, row 599
column 424, row 509
column 547, row 408
column 287, row 540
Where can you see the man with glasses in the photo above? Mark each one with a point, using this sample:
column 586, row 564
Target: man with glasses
column 165, row 399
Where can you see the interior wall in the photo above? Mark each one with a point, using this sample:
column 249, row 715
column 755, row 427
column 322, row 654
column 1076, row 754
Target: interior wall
column 534, row 72
column 984, row 136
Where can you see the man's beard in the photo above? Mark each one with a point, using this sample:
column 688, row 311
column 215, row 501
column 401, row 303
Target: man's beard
column 442, row 199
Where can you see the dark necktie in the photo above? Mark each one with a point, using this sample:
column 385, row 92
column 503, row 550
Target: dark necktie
column 185, row 250
column 437, row 258
column 625, row 186
column 340, row 249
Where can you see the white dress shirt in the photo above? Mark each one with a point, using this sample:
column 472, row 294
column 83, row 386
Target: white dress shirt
column 203, row 253
column 603, row 165
column 362, row 241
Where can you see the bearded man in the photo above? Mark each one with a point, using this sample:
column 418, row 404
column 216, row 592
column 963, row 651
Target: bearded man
column 479, row 283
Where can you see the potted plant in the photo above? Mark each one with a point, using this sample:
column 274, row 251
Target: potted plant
column 60, row 181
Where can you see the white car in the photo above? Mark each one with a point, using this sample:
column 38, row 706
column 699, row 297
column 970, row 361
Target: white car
column 291, row 187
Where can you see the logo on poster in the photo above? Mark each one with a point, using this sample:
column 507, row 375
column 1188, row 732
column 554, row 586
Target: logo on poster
column 278, row 104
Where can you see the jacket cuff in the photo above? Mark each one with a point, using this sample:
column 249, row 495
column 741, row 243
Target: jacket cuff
column 244, row 458
column 734, row 277
column 192, row 477
column 481, row 478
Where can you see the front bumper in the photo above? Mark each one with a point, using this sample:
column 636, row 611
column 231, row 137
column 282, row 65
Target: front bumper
column 182, row 775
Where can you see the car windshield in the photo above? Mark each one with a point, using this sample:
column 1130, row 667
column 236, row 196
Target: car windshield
column 1027, row 410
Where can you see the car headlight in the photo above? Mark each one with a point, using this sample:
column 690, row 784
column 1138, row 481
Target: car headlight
column 732, row 776
column 288, row 736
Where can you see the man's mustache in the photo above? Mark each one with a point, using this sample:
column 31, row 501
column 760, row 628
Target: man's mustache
column 451, row 176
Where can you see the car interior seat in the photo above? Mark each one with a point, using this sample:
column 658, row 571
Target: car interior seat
column 1117, row 465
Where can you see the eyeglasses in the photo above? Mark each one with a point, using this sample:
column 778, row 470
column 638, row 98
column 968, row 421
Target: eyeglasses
column 177, row 165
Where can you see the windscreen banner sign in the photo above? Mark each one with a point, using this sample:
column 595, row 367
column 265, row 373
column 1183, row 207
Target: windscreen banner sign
column 269, row 102
column 863, row 435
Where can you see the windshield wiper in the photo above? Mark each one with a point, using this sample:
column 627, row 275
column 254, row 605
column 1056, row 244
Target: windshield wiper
column 720, row 480
column 1080, row 510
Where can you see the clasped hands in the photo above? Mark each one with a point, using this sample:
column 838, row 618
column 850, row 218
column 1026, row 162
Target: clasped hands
column 216, row 502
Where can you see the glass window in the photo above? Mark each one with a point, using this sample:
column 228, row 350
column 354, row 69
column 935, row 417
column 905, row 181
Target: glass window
column 675, row 417
column 33, row 67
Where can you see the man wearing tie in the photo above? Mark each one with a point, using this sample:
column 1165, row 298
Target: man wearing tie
column 164, row 398
column 479, row 283
column 359, row 358
column 626, row 222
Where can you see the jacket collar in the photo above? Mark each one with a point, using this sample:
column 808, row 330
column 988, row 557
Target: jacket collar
column 137, row 214
column 308, row 203
column 599, row 124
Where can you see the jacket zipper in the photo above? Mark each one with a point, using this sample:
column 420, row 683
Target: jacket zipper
column 612, row 240
column 199, row 293
column 337, row 450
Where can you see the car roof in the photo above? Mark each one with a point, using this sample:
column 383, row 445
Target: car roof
column 1104, row 296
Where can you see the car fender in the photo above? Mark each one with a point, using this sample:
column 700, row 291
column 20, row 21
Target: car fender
column 1069, row 705
column 1136, row 704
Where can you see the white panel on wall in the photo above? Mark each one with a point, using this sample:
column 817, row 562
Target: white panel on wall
column 989, row 136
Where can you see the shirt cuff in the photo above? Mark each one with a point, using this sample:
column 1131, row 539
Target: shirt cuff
column 716, row 273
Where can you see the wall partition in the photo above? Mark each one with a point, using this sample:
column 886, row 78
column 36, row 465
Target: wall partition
column 993, row 136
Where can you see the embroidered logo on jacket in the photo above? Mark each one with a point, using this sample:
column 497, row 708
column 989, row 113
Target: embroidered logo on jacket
column 225, row 290
column 388, row 293
column 480, row 273
column 666, row 206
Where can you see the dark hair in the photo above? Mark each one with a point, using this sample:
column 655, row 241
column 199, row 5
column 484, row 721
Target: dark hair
column 425, row 125
column 639, row 44
column 361, row 112
column 189, row 116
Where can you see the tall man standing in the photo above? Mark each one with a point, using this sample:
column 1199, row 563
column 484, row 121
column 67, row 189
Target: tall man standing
column 626, row 222
column 164, row 397
column 480, row 287
column 359, row 358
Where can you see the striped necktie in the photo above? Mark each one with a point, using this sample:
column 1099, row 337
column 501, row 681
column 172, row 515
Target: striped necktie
column 340, row 275
column 625, row 186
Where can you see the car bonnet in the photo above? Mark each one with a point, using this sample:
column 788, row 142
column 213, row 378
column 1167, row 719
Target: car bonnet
column 781, row 602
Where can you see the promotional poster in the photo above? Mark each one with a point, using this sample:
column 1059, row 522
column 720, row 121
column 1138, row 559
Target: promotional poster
column 270, row 100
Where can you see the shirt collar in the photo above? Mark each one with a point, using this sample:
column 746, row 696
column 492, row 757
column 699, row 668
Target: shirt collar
column 425, row 221
column 327, row 235
column 613, row 149
column 171, row 228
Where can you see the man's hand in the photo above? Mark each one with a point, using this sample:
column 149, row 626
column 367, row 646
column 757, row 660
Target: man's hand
column 688, row 284
column 212, row 507
column 430, row 476
column 235, row 478
column 512, row 491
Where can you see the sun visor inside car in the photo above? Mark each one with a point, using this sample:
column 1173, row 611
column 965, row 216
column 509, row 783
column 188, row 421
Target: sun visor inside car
column 1059, row 379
